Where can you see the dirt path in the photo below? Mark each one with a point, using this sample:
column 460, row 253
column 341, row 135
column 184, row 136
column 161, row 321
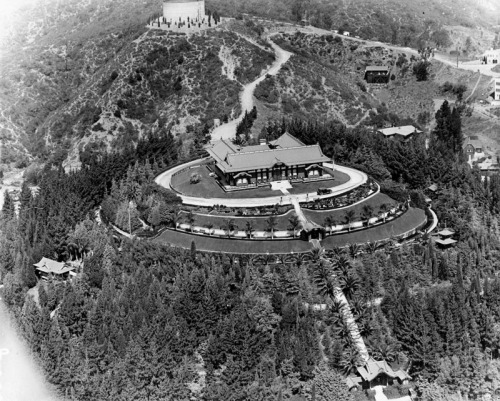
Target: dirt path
column 228, row 131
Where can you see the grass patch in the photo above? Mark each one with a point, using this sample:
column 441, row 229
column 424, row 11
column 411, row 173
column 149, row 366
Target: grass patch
column 259, row 223
column 203, row 243
column 375, row 202
column 410, row 220
column 207, row 187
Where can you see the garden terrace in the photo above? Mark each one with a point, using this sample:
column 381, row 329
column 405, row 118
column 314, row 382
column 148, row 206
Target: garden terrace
column 213, row 244
column 401, row 228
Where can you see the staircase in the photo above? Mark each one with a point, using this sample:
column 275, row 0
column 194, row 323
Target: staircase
column 351, row 324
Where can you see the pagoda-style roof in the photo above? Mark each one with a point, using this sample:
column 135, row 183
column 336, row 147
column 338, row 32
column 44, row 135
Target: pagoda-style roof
column 285, row 150
column 446, row 241
column 446, row 233
column 50, row 266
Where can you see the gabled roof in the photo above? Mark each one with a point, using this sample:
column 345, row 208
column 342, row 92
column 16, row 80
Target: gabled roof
column 382, row 68
column 51, row 266
column 403, row 131
column 472, row 140
column 286, row 141
column 373, row 368
column 289, row 152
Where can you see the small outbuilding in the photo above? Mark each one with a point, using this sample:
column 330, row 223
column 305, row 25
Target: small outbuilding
column 402, row 134
column 376, row 373
column 377, row 74
column 47, row 268
column 445, row 239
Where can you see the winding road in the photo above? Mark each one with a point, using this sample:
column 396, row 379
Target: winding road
column 228, row 131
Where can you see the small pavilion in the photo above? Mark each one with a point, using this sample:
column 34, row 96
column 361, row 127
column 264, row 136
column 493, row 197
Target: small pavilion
column 445, row 240
column 47, row 268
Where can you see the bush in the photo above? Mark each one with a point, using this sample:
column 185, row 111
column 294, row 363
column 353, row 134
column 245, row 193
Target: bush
column 421, row 70
column 114, row 75
column 195, row 178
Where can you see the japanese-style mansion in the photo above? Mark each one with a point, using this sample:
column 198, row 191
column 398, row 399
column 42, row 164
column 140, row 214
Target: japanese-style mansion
column 285, row 158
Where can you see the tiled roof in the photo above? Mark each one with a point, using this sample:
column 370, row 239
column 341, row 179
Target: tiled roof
column 446, row 232
column 51, row 266
column 231, row 159
column 474, row 142
column 287, row 141
column 403, row 131
column 447, row 241
column 384, row 68
column 373, row 368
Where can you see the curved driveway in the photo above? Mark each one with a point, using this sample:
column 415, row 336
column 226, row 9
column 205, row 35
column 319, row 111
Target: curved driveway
column 356, row 178
column 228, row 131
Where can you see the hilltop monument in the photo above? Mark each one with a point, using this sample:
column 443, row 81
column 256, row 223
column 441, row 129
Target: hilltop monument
column 175, row 11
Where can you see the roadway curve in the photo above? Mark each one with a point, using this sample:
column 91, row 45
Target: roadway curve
column 357, row 178
column 228, row 131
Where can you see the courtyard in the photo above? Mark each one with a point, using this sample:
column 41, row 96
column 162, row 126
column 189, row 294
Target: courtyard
column 207, row 187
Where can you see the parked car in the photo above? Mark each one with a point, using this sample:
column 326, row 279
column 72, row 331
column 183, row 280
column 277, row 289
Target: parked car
column 324, row 191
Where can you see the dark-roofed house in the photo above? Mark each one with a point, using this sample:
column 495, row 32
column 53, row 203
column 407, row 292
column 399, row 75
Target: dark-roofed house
column 375, row 74
column 50, row 268
column 375, row 373
column 473, row 149
column 403, row 133
column 286, row 158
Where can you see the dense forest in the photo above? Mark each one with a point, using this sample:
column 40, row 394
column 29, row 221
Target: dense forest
column 144, row 321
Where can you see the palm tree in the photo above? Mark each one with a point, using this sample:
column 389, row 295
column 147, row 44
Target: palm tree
column 367, row 213
column 190, row 218
column 324, row 279
column 349, row 217
column 371, row 247
column 228, row 226
column 337, row 251
column 350, row 285
column 250, row 229
column 350, row 361
column 354, row 250
column 177, row 218
column 330, row 222
column 383, row 210
column 294, row 223
column 272, row 222
column 342, row 266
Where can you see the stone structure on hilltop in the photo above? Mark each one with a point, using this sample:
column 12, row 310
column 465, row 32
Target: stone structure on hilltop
column 183, row 11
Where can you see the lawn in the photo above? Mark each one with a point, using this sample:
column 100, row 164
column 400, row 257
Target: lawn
column 410, row 220
column 259, row 223
column 204, row 243
column 208, row 187
column 339, row 215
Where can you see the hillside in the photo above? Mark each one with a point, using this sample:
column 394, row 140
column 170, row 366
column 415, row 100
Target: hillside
column 400, row 22
column 93, row 72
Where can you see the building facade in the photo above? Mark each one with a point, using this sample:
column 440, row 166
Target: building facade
column 377, row 74
column 175, row 11
column 286, row 158
column 491, row 56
